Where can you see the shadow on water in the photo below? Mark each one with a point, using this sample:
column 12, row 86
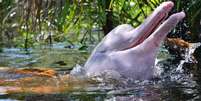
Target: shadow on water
column 43, row 75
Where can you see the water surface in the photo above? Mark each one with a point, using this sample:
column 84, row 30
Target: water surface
column 42, row 74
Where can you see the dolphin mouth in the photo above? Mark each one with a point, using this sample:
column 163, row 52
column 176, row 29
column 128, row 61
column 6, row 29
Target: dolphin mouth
column 151, row 30
column 157, row 20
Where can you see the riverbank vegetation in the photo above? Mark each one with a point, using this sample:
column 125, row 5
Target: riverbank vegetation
column 28, row 23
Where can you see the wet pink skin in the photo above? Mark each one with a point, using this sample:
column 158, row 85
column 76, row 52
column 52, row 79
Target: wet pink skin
column 131, row 52
column 153, row 21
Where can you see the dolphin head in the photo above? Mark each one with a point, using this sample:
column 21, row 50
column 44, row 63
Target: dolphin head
column 131, row 52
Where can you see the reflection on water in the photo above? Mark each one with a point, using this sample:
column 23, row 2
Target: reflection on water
column 42, row 75
column 46, row 57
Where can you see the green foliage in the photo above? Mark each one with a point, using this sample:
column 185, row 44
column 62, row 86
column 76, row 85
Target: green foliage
column 133, row 11
column 194, row 19
column 27, row 23
column 190, row 28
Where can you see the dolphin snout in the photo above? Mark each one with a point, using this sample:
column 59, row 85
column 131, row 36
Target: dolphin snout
column 164, row 9
column 167, row 6
column 179, row 15
column 175, row 18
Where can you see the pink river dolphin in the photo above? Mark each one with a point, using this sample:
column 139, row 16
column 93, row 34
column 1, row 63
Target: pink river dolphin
column 131, row 52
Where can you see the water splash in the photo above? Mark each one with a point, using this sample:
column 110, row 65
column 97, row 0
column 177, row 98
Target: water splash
column 188, row 56
column 78, row 71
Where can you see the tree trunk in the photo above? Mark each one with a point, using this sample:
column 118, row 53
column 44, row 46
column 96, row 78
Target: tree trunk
column 109, row 21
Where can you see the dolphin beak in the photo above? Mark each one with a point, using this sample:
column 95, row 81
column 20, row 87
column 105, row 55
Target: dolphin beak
column 154, row 40
column 152, row 22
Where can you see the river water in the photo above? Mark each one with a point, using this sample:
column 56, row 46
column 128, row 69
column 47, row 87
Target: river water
column 42, row 75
